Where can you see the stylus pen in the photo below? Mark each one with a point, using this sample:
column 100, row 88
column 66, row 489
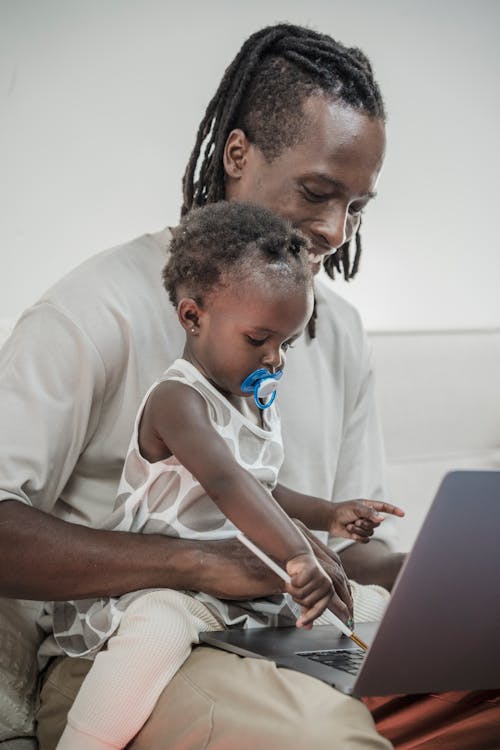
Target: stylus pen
column 284, row 575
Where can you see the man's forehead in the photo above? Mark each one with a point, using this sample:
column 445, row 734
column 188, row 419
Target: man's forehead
column 344, row 158
column 331, row 126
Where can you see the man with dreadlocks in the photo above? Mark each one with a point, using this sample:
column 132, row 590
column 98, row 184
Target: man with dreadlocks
column 270, row 135
column 297, row 125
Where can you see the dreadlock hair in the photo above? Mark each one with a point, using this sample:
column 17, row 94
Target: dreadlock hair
column 261, row 93
column 223, row 241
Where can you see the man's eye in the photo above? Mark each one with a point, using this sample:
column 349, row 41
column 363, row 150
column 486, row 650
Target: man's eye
column 256, row 342
column 310, row 195
column 355, row 210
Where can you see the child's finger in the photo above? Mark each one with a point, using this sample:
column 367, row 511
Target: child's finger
column 365, row 524
column 383, row 507
column 364, row 529
column 308, row 595
column 359, row 534
column 357, row 538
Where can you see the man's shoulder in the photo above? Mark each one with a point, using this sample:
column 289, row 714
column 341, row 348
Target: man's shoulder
column 115, row 300
column 113, row 273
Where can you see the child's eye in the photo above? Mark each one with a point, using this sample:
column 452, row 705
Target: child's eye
column 287, row 346
column 256, row 342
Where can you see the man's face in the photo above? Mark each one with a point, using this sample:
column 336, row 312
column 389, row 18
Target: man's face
column 322, row 184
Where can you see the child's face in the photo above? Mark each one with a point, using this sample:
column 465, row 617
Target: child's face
column 246, row 326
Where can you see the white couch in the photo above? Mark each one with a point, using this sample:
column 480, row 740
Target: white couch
column 438, row 399
column 438, row 403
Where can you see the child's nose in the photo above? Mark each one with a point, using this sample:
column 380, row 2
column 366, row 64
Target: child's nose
column 274, row 360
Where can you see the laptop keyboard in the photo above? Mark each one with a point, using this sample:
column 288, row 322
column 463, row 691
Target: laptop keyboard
column 348, row 660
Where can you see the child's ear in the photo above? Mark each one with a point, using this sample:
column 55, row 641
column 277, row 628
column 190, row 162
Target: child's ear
column 189, row 313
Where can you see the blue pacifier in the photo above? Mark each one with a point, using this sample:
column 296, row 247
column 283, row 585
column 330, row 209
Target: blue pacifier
column 262, row 384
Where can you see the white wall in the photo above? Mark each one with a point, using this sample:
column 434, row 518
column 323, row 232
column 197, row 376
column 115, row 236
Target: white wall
column 100, row 99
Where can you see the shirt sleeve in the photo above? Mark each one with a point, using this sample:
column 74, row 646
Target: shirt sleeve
column 51, row 390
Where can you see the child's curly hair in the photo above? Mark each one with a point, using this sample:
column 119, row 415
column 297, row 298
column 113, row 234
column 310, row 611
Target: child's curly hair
column 232, row 239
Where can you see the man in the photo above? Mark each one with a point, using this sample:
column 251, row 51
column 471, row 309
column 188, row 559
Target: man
column 297, row 125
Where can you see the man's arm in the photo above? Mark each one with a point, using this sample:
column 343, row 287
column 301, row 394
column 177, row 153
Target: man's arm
column 42, row 557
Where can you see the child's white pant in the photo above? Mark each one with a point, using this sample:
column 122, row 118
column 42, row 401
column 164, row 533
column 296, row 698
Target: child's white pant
column 154, row 639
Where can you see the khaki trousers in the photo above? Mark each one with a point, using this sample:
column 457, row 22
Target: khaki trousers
column 219, row 701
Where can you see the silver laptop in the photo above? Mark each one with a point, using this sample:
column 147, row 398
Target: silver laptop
column 441, row 629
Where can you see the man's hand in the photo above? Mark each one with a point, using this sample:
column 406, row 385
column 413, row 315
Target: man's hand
column 341, row 600
column 229, row 570
column 357, row 519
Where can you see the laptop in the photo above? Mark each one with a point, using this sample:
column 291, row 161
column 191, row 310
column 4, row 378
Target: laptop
column 441, row 629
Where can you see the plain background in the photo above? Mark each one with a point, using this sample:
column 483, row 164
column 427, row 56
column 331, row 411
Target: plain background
column 100, row 101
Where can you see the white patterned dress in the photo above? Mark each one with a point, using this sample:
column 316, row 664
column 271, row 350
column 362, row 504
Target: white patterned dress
column 164, row 498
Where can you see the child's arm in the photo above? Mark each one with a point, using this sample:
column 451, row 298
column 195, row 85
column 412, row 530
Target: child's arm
column 355, row 519
column 175, row 421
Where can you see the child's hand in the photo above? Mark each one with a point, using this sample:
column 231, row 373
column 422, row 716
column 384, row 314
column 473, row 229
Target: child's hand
column 310, row 587
column 356, row 519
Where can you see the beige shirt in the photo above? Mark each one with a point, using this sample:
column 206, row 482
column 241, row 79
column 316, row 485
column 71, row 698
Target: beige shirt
column 79, row 362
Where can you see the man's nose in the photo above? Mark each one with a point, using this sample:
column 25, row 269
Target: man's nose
column 334, row 228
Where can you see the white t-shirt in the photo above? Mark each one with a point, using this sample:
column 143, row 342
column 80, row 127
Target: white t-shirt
column 76, row 367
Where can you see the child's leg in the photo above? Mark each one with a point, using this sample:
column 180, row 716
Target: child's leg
column 120, row 691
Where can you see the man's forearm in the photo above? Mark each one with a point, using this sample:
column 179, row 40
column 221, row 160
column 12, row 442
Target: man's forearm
column 372, row 563
column 42, row 557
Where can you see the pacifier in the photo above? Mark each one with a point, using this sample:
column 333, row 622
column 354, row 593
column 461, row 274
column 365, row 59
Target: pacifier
column 262, row 384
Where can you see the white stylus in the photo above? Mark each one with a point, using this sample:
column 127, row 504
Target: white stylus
column 284, row 575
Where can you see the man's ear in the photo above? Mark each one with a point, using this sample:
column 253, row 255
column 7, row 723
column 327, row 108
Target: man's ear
column 235, row 153
column 189, row 313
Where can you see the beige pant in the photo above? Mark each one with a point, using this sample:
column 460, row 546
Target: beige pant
column 219, row 701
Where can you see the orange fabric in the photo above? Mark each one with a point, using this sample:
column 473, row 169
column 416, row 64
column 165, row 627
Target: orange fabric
column 445, row 721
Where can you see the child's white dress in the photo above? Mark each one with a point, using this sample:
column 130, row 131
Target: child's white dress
column 149, row 633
